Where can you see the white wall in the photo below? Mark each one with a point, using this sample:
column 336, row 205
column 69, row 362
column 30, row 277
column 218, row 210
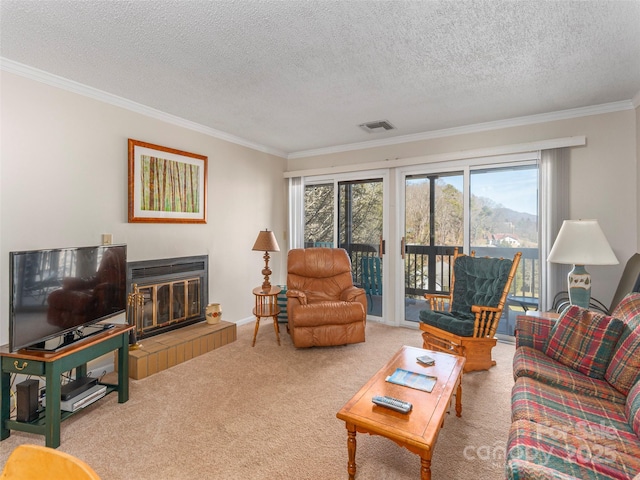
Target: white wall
column 63, row 182
column 604, row 175
column 63, row 168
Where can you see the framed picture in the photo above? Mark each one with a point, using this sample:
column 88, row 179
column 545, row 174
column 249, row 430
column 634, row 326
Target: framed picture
column 166, row 185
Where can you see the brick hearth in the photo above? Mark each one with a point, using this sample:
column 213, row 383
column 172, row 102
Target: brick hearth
column 168, row 349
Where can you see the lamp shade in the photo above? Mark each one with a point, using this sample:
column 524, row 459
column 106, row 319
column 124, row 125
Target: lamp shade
column 266, row 242
column 582, row 242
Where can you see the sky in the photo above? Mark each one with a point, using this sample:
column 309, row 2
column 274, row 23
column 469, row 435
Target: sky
column 516, row 188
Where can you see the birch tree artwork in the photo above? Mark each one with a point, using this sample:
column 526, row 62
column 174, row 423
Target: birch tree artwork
column 168, row 185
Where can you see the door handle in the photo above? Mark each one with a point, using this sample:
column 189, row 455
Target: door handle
column 402, row 246
column 381, row 249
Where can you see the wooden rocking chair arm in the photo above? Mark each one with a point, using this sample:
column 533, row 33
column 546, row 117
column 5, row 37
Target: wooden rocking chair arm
column 484, row 308
column 434, row 296
column 486, row 321
column 438, row 301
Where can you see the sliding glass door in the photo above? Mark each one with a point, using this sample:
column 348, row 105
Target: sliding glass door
column 503, row 221
column 433, row 227
column 319, row 215
column 490, row 210
column 348, row 213
column 489, row 205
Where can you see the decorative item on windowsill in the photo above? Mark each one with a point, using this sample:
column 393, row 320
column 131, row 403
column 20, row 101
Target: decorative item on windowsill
column 581, row 242
column 135, row 301
column 213, row 313
column 266, row 242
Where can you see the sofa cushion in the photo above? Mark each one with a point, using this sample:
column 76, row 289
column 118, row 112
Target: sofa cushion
column 632, row 408
column 584, row 340
column 537, row 451
column 624, row 368
column 523, row 469
column 627, row 309
column 593, row 419
column 529, row 362
column 533, row 331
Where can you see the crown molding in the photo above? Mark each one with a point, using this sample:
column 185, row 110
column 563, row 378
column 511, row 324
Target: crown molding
column 75, row 87
column 478, row 127
column 484, row 153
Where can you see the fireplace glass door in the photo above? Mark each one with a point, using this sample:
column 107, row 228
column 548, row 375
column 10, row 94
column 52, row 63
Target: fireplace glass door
column 169, row 303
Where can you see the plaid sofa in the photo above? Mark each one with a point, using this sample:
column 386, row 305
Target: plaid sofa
column 575, row 404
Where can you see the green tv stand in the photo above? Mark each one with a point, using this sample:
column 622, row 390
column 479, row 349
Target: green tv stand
column 52, row 366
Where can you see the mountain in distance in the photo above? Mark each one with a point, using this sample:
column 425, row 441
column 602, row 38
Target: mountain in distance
column 522, row 226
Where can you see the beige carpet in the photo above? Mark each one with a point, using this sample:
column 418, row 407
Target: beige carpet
column 269, row 412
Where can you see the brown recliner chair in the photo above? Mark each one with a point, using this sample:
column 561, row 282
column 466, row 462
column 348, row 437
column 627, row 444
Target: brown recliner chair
column 323, row 305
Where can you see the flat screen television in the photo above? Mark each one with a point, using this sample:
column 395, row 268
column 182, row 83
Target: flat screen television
column 57, row 295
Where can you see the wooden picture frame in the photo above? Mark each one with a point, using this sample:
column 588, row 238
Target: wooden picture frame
column 166, row 185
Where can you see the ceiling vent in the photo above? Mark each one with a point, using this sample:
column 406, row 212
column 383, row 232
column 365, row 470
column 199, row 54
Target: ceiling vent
column 376, row 127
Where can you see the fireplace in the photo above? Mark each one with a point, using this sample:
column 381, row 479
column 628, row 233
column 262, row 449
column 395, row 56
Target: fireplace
column 174, row 292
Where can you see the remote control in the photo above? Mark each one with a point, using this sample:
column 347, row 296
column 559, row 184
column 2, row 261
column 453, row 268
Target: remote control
column 392, row 403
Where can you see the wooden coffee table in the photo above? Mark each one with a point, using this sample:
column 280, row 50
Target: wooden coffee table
column 417, row 430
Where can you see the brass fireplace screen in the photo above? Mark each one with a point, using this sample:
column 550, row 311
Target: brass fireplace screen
column 167, row 304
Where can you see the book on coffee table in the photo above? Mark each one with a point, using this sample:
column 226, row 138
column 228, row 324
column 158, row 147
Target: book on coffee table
column 426, row 360
column 419, row 381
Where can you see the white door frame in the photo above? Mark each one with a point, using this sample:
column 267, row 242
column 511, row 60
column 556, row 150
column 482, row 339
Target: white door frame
column 387, row 311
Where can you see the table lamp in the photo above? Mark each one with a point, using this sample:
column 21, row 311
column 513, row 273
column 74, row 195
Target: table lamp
column 266, row 242
column 581, row 242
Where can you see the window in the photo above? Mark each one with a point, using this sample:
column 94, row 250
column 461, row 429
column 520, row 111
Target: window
column 493, row 205
column 347, row 212
column 318, row 215
column 503, row 219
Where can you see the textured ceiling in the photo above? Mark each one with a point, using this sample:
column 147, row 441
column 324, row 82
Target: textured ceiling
column 301, row 75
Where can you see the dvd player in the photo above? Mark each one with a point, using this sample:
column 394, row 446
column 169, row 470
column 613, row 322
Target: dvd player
column 76, row 387
column 82, row 400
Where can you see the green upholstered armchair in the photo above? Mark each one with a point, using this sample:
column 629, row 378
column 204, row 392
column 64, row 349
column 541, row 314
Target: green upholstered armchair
column 465, row 321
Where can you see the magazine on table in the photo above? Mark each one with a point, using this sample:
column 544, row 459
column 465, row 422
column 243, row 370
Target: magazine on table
column 419, row 381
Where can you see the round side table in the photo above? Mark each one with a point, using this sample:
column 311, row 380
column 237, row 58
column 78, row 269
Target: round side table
column 266, row 306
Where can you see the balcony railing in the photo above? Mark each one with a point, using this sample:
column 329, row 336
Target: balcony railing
column 428, row 270
column 356, row 252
